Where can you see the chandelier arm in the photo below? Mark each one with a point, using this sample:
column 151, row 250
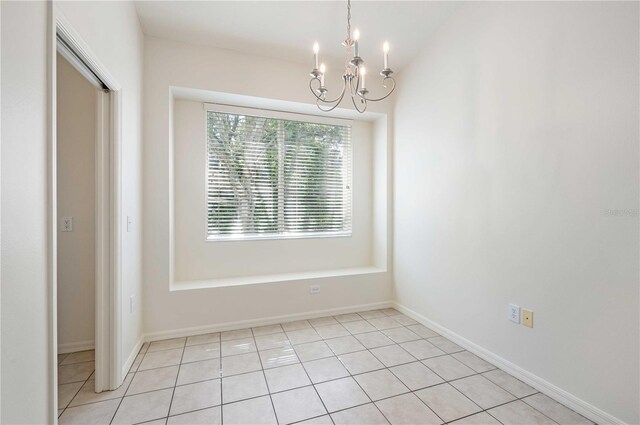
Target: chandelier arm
column 355, row 104
column 386, row 95
column 319, row 105
column 318, row 98
column 351, row 92
column 354, row 92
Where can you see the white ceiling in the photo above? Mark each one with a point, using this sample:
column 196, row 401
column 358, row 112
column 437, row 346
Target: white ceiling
column 287, row 29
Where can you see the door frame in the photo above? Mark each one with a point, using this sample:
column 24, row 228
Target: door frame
column 108, row 255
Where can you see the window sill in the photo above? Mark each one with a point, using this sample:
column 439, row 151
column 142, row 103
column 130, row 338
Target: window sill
column 271, row 278
column 277, row 236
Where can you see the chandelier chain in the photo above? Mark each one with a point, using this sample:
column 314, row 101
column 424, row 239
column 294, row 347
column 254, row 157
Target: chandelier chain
column 348, row 19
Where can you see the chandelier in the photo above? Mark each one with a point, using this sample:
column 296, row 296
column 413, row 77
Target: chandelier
column 354, row 77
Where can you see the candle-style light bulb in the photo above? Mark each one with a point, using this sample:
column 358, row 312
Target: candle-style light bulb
column 322, row 70
column 385, row 49
column 316, row 49
column 356, row 37
column 363, row 73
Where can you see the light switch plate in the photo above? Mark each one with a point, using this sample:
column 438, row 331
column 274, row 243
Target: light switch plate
column 527, row 318
column 67, row 224
column 514, row 313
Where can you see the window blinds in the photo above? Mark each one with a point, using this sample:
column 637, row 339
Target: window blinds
column 276, row 178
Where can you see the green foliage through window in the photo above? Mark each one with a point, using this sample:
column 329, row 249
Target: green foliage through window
column 274, row 177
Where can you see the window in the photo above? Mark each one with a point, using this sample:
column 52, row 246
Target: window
column 270, row 177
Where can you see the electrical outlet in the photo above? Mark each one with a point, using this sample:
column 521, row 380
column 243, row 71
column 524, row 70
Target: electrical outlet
column 67, row 224
column 514, row 313
column 527, row 318
column 314, row 289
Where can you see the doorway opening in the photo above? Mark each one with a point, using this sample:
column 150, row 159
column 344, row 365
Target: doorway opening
column 76, row 129
column 85, row 226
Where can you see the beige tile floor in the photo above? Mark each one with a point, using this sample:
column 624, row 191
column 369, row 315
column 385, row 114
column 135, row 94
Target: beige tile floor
column 373, row 367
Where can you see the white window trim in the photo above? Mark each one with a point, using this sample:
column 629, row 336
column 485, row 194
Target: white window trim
column 282, row 115
column 278, row 236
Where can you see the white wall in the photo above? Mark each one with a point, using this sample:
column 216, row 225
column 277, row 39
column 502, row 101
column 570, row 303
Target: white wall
column 26, row 368
column 76, row 134
column 172, row 64
column 197, row 259
column 518, row 127
column 112, row 31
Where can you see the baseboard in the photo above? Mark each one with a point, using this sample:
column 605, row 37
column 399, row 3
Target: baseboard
column 580, row 406
column 72, row 347
column 227, row 326
column 132, row 357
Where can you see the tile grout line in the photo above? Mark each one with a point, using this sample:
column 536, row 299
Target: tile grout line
column 314, row 388
column 448, row 381
column 175, row 385
column 264, row 376
column 365, row 393
column 483, row 410
column 221, row 375
column 445, row 381
column 318, row 383
column 337, row 411
column 400, row 364
column 276, row 367
column 416, row 360
column 83, row 382
column 500, row 405
column 129, row 372
column 189, row 383
column 315, row 417
column 346, row 408
column 123, row 395
column 293, row 346
column 361, row 389
column 352, row 376
column 387, row 368
column 542, row 413
column 146, row 351
column 456, row 389
column 335, row 355
column 146, row 392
